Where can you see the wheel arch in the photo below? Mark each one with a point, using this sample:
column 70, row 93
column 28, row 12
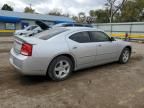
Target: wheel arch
column 129, row 47
column 63, row 54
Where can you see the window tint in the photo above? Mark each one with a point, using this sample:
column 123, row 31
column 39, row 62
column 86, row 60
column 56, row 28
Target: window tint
column 50, row 33
column 79, row 25
column 81, row 37
column 99, row 37
column 67, row 25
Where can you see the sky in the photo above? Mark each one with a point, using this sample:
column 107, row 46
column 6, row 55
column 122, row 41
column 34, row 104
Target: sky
column 67, row 6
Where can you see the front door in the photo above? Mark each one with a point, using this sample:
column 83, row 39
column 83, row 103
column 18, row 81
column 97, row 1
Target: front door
column 106, row 50
column 82, row 48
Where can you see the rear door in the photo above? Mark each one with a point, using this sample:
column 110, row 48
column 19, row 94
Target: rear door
column 106, row 50
column 81, row 47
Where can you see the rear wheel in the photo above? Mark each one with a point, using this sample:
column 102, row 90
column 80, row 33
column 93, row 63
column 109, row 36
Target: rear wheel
column 125, row 55
column 60, row 68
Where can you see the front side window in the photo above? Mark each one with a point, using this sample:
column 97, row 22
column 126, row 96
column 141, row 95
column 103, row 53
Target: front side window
column 97, row 36
column 81, row 37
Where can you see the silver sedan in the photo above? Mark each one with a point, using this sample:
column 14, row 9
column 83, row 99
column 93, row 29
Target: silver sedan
column 60, row 51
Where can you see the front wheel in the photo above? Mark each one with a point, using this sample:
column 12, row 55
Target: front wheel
column 60, row 68
column 125, row 56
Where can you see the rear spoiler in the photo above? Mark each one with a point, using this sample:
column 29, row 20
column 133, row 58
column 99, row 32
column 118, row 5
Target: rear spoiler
column 30, row 40
column 19, row 39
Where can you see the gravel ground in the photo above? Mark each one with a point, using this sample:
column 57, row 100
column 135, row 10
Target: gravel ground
column 108, row 86
column 6, row 39
column 6, row 44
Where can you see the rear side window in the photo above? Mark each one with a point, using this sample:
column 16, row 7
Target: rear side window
column 45, row 35
column 81, row 37
column 97, row 36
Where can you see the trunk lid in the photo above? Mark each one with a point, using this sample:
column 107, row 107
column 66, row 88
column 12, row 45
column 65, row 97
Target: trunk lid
column 19, row 41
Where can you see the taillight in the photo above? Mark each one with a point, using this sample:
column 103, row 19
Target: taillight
column 26, row 49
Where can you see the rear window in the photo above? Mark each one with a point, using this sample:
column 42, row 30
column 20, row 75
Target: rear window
column 45, row 35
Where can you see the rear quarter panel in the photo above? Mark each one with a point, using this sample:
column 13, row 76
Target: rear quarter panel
column 44, row 53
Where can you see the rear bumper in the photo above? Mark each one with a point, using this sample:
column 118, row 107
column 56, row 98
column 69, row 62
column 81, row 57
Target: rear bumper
column 24, row 64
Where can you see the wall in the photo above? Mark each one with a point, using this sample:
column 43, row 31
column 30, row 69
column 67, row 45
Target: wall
column 135, row 30
column 18, row 26
column 3, row 31
column 2, row 25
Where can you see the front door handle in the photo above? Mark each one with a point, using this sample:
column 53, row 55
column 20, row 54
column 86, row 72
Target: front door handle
column 75, row 47
column 99, row 45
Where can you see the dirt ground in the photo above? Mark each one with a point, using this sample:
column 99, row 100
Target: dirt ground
column 108, row 86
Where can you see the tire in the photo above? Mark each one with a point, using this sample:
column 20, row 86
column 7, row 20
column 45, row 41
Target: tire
column 125, row 56
column 60, row 68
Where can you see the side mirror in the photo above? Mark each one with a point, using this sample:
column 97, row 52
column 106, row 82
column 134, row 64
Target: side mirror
column 112, row 39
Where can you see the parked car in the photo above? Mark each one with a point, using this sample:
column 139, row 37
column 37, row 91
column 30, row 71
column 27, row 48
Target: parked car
column 60, row 51
column 28, row 31
column 72, row 25
column 45, row 26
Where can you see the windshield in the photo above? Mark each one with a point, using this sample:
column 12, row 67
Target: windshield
column 50, row 33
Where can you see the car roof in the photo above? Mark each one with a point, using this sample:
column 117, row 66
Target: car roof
column 82, row 29
column 72, row 24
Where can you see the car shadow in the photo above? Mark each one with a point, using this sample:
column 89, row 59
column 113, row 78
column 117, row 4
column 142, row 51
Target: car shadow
column 94, row 69
column 34, row 80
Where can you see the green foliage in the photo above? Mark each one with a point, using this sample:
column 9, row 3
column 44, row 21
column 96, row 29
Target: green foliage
column 7, row 7
column 101, row 15
column 75, row 18
column 29, row 10
column 58, row 12
column 131, row 11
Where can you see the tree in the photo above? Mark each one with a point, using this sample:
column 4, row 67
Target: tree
column 7, row 7
column 29, row 10
column 92, row 13
column 81, row 17
column 114, row 6
column 132, row 11
column 56, row 12
column 129, row 12
column 140, row 7
column 75, row 18
column 101, row 15
column 125, row 11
